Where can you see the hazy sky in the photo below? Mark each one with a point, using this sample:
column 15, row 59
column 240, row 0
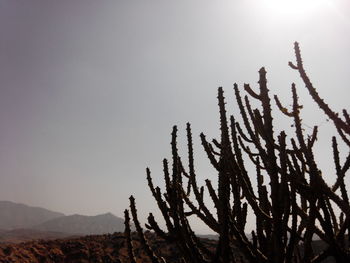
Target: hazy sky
column 89, row 90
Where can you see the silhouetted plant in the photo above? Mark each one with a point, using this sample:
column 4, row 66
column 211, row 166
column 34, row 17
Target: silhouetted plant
column 293, row 208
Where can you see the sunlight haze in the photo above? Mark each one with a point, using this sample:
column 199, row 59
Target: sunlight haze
column 90, row 90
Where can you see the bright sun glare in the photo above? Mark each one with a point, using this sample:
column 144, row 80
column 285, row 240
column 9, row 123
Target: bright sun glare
column 295, row 8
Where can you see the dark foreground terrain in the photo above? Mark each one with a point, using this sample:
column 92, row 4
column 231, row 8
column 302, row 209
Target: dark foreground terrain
column 96, row 248
column 110, row 248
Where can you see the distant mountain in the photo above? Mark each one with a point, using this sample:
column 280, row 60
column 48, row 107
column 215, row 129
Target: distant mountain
column 209, row 236
column 84, row 225
column 13, row 215
column 22, row 222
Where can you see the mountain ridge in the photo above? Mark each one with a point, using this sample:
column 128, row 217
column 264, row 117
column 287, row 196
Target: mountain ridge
column 18, row 221
column 81, row 224
column 16, row 215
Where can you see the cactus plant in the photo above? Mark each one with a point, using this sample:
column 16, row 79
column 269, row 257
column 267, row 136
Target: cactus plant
column 294, row 207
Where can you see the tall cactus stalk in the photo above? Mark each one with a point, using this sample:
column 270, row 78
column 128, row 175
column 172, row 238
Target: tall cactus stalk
column 292, row 203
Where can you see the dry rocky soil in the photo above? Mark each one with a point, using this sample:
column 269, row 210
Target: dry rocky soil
column 110, row 248
column 96, row 248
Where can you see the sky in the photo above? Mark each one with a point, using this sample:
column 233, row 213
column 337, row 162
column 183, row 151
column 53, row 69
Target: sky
column 90, row 90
